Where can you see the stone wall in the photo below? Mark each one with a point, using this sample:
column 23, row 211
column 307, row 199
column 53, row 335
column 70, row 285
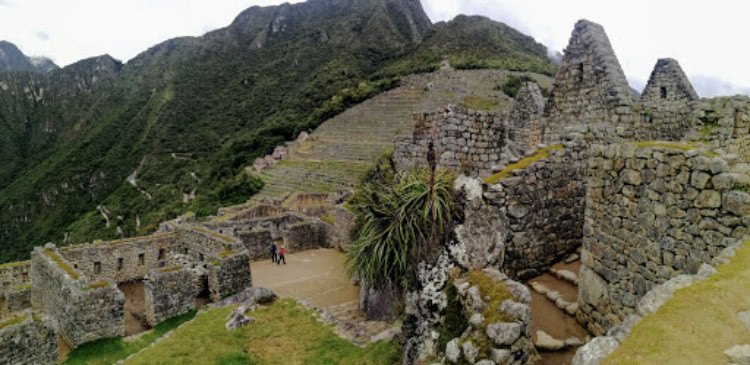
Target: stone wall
column 541, row 207
column 15, row 284
column 668, row 83
column 33, row 340
column 654, row 211
column 464, row 140
column 121, row 260
column 229, row 275
column 84, row 312
column 524, row 118
column 168, row 293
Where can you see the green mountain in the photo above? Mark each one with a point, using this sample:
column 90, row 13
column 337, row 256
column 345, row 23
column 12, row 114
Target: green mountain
column 101, row 149
column 12, row 59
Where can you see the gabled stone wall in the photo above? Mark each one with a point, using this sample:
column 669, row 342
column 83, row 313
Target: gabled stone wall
column 654, row 211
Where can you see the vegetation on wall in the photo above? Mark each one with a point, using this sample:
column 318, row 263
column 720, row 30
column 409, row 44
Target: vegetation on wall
column 399, row 221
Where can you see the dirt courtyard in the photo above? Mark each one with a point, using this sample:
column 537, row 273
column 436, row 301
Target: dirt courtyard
column 318, row 276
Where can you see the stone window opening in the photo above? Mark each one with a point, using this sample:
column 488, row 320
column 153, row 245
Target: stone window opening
column 25, row 277
column 663, row 90
column 184, row 250
column 200, row 256
column 162, row 254
column 141, row 259
column 580, row 71
column 119, row 263
column 97, row 267
column 75, row 266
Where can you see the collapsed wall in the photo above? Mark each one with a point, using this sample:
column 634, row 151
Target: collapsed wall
column 654, row 211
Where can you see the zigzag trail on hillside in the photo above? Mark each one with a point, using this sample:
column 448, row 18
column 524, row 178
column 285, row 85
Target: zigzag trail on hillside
column 340, row 152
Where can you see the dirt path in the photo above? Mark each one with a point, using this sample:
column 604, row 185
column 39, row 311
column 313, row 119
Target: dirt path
column 135, row 309
column 318, row 276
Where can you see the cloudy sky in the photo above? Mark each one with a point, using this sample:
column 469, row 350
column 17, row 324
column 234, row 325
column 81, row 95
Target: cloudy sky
column 708, row 38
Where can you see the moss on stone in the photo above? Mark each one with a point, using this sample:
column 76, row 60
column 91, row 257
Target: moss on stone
column 498, row 293
column 226, row 253
column 22, row 287
column 677, row 146
column 14, row 264
column 170, row 269
column 526, row 162
column 13, row 321
column 328, row 219
column 214, row 234
column 61, row 263
column 98, row 285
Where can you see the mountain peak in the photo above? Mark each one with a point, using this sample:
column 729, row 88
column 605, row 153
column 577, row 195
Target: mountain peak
column 12, row 59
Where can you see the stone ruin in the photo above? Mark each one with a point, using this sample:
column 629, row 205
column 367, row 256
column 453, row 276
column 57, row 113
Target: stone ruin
column 647, row 191
column 73, row 293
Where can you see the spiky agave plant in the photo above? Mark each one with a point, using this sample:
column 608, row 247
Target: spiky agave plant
column 399, row 223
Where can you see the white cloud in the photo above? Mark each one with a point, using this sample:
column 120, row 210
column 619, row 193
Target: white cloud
column 707, row 38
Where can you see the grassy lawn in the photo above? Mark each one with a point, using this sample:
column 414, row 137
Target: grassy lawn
column 283, row 333
column 697, row 325
column 110, row 350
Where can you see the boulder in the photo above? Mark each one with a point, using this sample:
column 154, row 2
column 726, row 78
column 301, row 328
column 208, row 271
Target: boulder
column 595, row 351
column 504, row 333
column 739, row 354
column 237, row 319
column 263, row 295
column 452, row 352
column 470, row 351
column 500, row 356
column 521, row 312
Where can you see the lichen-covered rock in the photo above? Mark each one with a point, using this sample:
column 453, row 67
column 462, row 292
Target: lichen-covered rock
column 452, row 352
column 739, row 354
column 470, row 351
column 595, row 351
column 504, row 333
column 521, row 312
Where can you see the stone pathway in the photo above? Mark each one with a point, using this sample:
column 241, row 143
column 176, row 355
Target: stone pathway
column 554, row 296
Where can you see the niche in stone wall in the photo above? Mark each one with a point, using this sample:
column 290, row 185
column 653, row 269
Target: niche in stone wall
column 200, row 257
column 663, row 90
column 119, row 263
column 141, row 259
column 162, row 254
column 97, row 267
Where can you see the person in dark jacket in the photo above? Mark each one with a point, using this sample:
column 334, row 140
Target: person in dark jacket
column 274, row 258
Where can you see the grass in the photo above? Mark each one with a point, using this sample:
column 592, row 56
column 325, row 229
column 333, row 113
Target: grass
column 480, row 103
column 110, row 350
column 61, row 262
column 526, row 162
column 697, row 325
column 13, row 321
column 283, row 333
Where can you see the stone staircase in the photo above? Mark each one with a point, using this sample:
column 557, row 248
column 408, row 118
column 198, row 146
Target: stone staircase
column 557, row 335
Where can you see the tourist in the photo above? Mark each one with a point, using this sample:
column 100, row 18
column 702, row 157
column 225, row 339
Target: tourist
column 273, row 253
column 281, row 256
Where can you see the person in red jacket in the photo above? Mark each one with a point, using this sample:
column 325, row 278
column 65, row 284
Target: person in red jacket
column 282, row 251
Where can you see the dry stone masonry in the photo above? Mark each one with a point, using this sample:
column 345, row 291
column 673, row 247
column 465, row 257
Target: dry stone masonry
column 654, row 212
